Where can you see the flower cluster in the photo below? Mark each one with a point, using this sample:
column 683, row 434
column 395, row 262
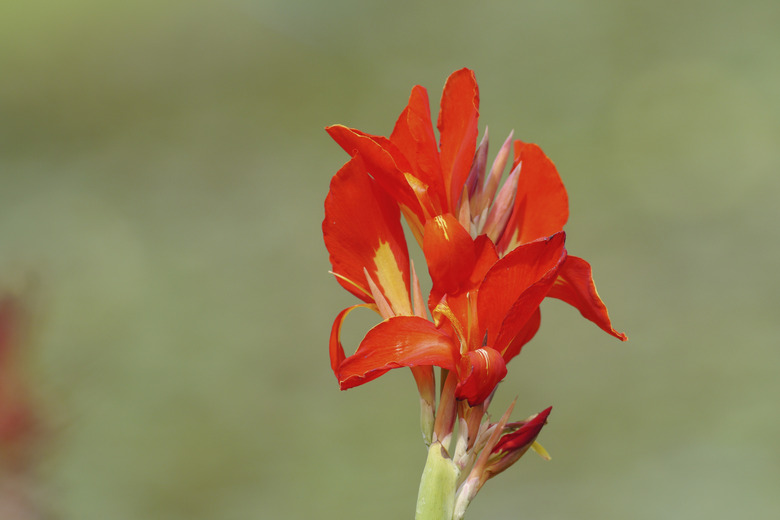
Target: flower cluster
column 493, row 250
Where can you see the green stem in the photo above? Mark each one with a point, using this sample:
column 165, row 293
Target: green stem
column 436, row 498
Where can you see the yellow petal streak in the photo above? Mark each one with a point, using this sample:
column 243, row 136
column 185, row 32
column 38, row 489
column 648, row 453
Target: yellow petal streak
column 390, row 279
column 443, row 226
column 443, row 310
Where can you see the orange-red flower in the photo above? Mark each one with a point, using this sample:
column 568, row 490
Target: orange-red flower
column 493, row 255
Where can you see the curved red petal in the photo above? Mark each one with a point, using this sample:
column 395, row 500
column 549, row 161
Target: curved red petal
column 479, row 371
column 517, row 319
column 362, row 229
column 541, row 205
column 337, row 355
column 385, row 163
column 450, row 253
column 515, row 286
column 458, row 131
column 401, row 341
column 575, row 286
column 414, row 137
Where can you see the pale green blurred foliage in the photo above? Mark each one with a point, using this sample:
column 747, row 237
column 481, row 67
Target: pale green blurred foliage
column 162, row 172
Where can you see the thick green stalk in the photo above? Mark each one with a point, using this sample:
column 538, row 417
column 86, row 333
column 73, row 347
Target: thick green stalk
column 436, row 498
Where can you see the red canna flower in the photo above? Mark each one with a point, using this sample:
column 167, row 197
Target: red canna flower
column 484, row 309
column 429, row 181
column 493, row 255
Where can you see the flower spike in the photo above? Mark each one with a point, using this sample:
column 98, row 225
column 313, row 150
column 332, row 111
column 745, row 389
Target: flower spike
column 494, row 253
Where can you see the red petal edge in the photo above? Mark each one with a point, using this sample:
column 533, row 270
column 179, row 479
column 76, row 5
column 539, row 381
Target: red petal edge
column 400, row 341
column 359, row 218
column 458, row 130
column 541, row 205
column 575, row 286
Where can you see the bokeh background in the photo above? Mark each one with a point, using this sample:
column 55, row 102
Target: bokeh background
column 162, row 172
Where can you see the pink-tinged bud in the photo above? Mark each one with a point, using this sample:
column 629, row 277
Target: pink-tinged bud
column 483, row 198
column 464, row 213
column 513, row 445
column 475, row 180
column 502, row 207
column 477, row 476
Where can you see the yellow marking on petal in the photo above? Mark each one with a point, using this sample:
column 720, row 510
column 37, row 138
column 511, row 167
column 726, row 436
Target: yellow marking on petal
column 429, row 207
column 418, row 186
column 439, row 220
column 390, row 279
column 484, row 355
column 538, row 448
column 442, row 309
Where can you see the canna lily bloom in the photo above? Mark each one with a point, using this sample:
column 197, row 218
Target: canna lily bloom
column 448, row 198
column 430, row 181
column 493, row 254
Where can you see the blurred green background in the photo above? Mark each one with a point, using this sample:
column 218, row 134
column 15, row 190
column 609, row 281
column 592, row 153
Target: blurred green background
column 162, row 171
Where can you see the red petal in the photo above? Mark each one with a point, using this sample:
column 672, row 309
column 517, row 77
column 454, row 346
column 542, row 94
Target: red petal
column 541, row 205
column 526, row 333
column 486, row 256
column 401, row 341
column 525, row 435
column 479, row 371
column 385, row 163
column 575, row 286
column 413, row 135
column 515, row 286
column 362, row 229
column 449, row 251
column 337, row 355
column 458, row 130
